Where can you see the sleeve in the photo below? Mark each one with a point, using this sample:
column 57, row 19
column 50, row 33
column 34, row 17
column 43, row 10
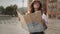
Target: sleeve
column 45, row 18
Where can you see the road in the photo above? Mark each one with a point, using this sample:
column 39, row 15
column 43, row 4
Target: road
column 11, row 25
column 53, row 26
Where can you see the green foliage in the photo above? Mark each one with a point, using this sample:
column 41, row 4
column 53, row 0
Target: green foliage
column 1, row 9
column 11, row 10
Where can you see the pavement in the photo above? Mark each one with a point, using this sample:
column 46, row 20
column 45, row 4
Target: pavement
column 53, row 26
column 11, row 25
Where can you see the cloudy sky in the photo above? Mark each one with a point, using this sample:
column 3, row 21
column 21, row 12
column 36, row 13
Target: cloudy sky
column 12, row 2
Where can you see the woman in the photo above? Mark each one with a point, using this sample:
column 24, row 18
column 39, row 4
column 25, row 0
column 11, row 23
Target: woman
column 35, row 7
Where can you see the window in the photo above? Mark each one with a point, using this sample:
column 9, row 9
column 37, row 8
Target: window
column 59, row 2
column 52, row 5
column 51, row 1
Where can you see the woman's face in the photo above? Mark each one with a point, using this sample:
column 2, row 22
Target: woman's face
column 36, row 5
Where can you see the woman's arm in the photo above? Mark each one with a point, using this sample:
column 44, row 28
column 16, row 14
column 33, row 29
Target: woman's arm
column 44, row 20
column 44, row 24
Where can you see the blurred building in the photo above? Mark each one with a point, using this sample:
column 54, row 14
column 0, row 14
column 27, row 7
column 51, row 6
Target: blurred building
column 51, row 7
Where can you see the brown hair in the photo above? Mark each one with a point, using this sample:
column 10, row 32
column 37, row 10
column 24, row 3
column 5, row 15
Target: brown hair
column 32, row 8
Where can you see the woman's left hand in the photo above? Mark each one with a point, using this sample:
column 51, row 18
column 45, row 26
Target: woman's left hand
column 44, row 24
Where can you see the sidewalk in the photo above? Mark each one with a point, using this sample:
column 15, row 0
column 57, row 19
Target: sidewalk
column 53, row 26
column 13, row 26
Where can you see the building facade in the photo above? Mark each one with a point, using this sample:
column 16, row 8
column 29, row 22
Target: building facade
column 53, row 8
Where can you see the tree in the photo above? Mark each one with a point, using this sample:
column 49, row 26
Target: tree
column 9, row 10
column 1, row 9
column 15, row 10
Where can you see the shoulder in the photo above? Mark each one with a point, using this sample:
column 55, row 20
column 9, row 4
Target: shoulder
column 43, row 15
column 45, row 18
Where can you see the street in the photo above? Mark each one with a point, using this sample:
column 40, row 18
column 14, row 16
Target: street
column 53, row 26
column 11, row 25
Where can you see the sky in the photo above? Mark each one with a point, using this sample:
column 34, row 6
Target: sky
column 19, row 3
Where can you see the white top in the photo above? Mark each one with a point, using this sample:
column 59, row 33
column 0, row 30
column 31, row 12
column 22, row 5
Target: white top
column 45, row 18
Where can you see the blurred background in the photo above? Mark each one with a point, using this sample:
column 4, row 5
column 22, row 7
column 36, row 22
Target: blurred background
column 10, row 22
column 9, row 7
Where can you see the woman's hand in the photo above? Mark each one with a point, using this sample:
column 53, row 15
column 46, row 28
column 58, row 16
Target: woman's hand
column 44, row 24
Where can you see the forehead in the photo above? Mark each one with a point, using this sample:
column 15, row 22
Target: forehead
column 36, row 3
